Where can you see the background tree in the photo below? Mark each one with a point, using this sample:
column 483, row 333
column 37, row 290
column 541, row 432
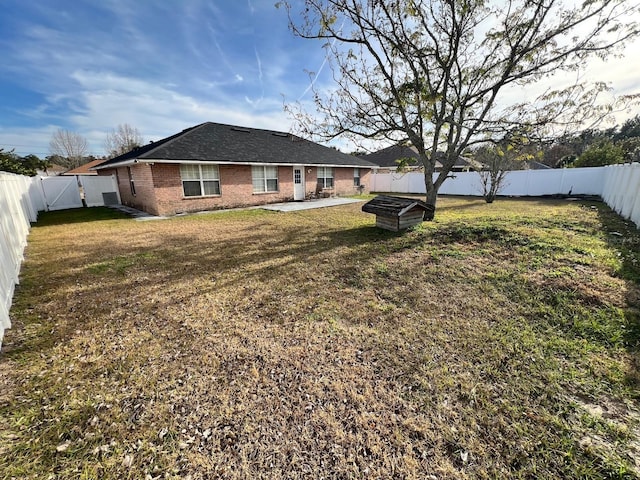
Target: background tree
column 565, row 150
column 603, row 153
column 70, row 147
column 122, row 139
column 556, row 153
column 28, row 165
column 34, row 164
column 630, row 149
column 629, row 129
column 435, row 72
column 497, row 161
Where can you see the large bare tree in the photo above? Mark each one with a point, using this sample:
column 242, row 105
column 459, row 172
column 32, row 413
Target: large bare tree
column 448, row 74
column 70, row 147
column 122, row 139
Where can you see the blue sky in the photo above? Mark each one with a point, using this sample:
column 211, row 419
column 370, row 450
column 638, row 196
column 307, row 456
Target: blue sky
column 88, row 66
column 162, row 66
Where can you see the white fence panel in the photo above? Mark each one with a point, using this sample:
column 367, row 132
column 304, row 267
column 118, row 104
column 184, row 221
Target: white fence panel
column 381, row 182
column 64, row 192
column 416, row 183
column 583, row 181
column 519, row 183
column 400, row 184
column 36, row 195
column 19, row 204
column 95, row 187
column 618, row 185
column 21, row 198
column 622, row 190
column 460, row 183
column 615, row 196
column 61, row 192
column 635, row 211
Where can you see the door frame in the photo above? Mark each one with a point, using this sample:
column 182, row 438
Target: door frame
column 299, row 190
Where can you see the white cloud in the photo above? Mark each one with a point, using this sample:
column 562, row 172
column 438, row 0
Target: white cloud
column 27, row 140
column 259, row 62
column 231, row 64
column 103, row 100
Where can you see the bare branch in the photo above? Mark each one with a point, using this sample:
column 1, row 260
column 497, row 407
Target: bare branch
column 69, row 145
column 437, row 72
column 122, row 139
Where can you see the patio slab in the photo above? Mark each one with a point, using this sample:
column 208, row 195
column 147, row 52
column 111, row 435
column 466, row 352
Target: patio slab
column 276, row 207
column 309, row 204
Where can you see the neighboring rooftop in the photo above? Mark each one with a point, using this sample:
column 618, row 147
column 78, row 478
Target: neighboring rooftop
column 389, row 157
column 220, row 143
column 52, row 170
column 85, row 169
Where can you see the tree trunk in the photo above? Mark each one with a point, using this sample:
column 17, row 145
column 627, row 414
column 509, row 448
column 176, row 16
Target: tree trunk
column 431, row 197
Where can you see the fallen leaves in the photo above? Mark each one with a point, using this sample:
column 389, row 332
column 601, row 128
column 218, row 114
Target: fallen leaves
column 297, row 346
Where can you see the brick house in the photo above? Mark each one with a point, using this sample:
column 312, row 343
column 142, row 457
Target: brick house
column 212, row 166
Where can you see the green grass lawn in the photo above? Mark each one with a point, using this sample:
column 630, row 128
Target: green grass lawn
column 499, row 341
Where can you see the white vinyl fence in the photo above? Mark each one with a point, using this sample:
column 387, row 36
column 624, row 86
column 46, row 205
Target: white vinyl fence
column 64, row 192
column 21, row 198
column 566, row 181
column 618, row 185
column 621, row 190
column 17, row 211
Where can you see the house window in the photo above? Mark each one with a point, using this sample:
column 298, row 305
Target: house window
column 325, row 177
column 356, row 177
column 200, row 180
column 265, row 179
column 132, row 185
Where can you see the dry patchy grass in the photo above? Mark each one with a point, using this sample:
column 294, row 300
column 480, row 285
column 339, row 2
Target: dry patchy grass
column 499, row 341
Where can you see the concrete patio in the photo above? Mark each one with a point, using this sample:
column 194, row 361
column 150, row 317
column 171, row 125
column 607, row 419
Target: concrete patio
column 309, row 204
column 276, row 207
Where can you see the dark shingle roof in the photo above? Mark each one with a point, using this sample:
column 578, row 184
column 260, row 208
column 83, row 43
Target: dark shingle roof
column 215, row 142
column 388, row 157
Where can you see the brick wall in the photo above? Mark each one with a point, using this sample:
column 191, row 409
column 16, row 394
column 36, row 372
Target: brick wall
column 365, row 179
column 145, row 198
column 310, row 180
column 145, row 195
column 159, row 187
column 343, row 180
column 236, row 190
